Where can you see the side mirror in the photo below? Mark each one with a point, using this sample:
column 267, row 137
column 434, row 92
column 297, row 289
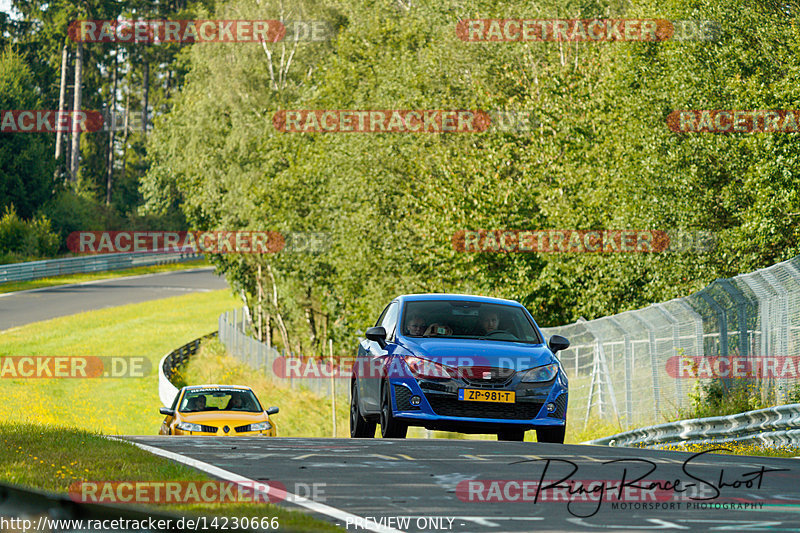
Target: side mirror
column 166, row 411
column 377, row 334
column 272, row 411
column 557, row 343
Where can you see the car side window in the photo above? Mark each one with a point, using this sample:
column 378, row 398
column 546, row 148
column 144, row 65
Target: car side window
column 383, row 314
column 389, row 319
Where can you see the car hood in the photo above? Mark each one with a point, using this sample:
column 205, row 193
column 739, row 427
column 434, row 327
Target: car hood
column 224, row 417
column 471, row 352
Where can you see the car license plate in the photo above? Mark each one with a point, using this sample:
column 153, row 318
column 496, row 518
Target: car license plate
column 497, row 396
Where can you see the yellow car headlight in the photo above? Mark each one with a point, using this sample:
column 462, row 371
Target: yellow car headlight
column 260, row 426
column 188, row 426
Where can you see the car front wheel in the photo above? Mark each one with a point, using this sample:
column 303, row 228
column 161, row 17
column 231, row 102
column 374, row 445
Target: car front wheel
column 391, row 428
column 360, row 428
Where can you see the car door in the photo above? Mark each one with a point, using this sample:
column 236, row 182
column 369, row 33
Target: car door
column 376, row 358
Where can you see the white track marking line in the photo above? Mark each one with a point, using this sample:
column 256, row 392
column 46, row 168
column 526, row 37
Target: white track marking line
column 216, row 471
column 106, row 280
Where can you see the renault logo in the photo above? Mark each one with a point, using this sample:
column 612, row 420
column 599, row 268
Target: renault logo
column 226, row 429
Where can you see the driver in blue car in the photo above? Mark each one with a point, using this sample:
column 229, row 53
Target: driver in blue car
column 488, row 321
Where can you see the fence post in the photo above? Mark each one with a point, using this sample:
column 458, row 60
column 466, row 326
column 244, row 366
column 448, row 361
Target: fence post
column 651, row 346
column 628, row 369
column 722, row 317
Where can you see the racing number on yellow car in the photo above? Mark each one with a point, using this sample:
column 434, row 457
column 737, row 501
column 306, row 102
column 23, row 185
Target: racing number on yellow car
column 476, row 395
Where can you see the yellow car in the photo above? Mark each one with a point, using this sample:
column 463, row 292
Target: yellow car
column 217, row 410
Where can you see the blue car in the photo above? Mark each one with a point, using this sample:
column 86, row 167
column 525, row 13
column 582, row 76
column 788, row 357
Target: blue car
column 469, row 364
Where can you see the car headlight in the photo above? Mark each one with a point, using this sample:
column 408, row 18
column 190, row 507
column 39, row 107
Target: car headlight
column 424, row 368
column 260, row 426
column 541, row 373
column 188, row 426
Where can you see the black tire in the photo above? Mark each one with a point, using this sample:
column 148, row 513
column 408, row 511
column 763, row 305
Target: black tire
column 551, row 434
column 360, row 427
column 511, row 434
column 391, row 428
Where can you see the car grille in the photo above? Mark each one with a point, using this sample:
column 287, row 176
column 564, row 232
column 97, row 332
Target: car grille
column 561, row 407
column 403, row 398
column 208, row 429
column 474, row 375
column 242, row 429
column 446, row 406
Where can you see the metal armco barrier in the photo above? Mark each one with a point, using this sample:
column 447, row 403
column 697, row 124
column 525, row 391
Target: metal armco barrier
column 81, row 265
column 773, row 426
column 42, row 508
column 169, row 365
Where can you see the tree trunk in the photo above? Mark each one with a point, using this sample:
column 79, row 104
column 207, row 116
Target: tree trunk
column 312, row 325
column 76, row 108
column 62, row 106
column 125, row 137
column 260, row 308
column 111, row 131
column 145, row 94
column 278, row 317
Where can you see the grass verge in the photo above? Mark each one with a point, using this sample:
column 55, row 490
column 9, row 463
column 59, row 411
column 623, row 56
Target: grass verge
column 302, row 414
column 68, row 279
column 52, row 458
column 124, row 406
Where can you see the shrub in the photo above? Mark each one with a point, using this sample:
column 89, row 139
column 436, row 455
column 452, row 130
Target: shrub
column 26, row 240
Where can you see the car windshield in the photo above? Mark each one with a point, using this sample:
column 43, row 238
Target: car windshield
column 468, row 320
column 201, row 400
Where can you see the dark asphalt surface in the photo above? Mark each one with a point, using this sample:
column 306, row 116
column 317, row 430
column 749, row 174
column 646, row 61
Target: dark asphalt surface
column 419, row 479
column 17, row 309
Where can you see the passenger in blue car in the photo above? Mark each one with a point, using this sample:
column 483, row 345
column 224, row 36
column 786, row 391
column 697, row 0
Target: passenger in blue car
column 416, row 326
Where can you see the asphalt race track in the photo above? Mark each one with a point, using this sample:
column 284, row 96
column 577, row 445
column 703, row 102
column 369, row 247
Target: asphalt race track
column 427, row 482
column 20, row 308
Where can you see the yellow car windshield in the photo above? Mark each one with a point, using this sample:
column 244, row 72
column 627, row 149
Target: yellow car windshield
column 203, row 400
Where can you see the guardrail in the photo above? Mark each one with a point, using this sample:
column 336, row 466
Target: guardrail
column 81, row 265
column 169, row 365
column 771, row 426
column 37, row 510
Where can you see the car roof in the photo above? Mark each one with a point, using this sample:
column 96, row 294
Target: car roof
column 451, row 297
column 219, row 387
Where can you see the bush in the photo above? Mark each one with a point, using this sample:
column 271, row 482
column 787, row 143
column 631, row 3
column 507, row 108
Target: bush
column 22, row 240
column 716, row 398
